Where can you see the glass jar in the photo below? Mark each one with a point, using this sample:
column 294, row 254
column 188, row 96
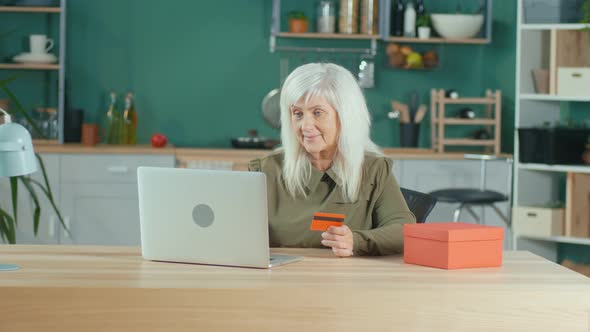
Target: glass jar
column 326, row 17
column 348, row 18
column 51, row 128
column 369, row 17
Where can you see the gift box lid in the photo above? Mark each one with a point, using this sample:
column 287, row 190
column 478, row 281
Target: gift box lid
column 453, row 232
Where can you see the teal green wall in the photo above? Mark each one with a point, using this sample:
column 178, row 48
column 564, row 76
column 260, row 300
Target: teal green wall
column 499, row 65
column 201, row 68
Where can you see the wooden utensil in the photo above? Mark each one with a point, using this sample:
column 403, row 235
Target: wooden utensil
column 420, row 114
column 403, row 111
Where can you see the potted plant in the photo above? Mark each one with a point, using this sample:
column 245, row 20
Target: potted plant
column 8, row 221
column 423, row 24
column 298, row 22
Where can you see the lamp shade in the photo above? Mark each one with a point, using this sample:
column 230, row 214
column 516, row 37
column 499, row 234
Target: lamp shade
column 17, row 156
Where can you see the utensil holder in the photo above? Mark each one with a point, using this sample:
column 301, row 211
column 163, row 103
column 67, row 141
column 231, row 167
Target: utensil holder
column 409, row 133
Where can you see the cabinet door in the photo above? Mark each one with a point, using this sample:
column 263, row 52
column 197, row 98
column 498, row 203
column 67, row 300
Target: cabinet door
column 99, row 197
column 48, row 220
column 100, row 214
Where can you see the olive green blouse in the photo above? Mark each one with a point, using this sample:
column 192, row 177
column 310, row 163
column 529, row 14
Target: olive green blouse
column 376, row 218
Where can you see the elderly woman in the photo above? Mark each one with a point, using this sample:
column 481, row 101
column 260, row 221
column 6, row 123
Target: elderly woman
column 329, row 164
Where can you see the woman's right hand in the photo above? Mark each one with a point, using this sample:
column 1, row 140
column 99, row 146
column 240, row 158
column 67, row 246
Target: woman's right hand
column 340, row 239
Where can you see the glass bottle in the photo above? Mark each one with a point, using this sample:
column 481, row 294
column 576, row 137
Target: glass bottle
column 326, row 17
column 369, row 17
column 410, row 20
column 129, row 122
column 348, row 18
column 397, row 15
column 420, row 10
column 112, row 122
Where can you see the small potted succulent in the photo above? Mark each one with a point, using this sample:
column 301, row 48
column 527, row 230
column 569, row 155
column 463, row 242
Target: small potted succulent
column 423, row 24
column 298, row 22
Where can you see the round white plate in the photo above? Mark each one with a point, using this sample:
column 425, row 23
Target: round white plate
column 35, row 58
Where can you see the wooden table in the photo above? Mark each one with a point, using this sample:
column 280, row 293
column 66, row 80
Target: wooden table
column 76, row 288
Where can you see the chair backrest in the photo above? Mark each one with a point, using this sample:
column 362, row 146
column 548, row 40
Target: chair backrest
column 419, row 203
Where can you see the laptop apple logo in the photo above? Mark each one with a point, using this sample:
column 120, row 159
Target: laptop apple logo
column 203, row 215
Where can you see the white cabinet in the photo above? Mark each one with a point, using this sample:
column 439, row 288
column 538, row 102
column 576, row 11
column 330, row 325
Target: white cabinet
column 47, row 233
column 100, row 214
column 99, row 197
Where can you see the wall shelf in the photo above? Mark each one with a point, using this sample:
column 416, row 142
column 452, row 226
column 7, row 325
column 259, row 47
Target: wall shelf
column 468, row 141
column 312, row 35
column 541, row 97
column 555, row 168
column 60, row 67
column 29, row 66
column 483, row 101
column 384, row 33
column 558, row 26
column 27, row 9
column 437, row 40
column 45, row 142
column 560, row 239
column 449, row 121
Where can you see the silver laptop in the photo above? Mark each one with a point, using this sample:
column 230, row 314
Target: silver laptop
column 205, row 217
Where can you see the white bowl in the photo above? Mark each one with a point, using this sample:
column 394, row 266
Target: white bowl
column 457, row 26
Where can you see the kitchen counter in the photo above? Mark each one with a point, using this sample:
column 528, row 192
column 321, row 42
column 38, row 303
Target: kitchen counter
column 236, row 159
column 102, row 149
column 228, row 154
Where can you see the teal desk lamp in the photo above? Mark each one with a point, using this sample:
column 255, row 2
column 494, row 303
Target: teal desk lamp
column 16, row 155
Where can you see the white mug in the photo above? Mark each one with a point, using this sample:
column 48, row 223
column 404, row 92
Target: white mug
column 40, row 44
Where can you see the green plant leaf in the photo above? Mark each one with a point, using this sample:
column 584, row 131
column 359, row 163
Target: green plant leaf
column 21, row 110
column 50, row 197
column 3, row 228
column 14, row 196
column 37, row 211
column 45, row 179
column 9, row 79
column 10, row 229
column 297, row 15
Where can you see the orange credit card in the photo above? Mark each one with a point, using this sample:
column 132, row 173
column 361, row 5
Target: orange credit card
column 321, row 221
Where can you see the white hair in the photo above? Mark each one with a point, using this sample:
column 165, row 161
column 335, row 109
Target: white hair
column 339, row 87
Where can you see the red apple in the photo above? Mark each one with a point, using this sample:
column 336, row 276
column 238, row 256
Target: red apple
column 159, row 140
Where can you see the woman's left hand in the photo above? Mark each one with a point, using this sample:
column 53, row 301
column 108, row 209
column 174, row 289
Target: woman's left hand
column 340, row 239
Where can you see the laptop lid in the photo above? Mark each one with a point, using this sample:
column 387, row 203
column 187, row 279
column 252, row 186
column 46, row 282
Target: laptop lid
column 203, row 216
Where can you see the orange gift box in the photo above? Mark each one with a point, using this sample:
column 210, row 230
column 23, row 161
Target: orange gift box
column 453, row 245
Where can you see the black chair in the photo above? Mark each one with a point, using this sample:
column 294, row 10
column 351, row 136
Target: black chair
column 468, row 197
column 419, row 203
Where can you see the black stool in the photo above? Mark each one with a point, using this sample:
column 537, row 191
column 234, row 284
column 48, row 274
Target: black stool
column 468, row 197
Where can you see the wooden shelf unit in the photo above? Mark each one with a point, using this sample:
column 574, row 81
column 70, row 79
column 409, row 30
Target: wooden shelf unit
column 548, row 46
column 29, row 66
column 29, row 9
column 438, row 120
